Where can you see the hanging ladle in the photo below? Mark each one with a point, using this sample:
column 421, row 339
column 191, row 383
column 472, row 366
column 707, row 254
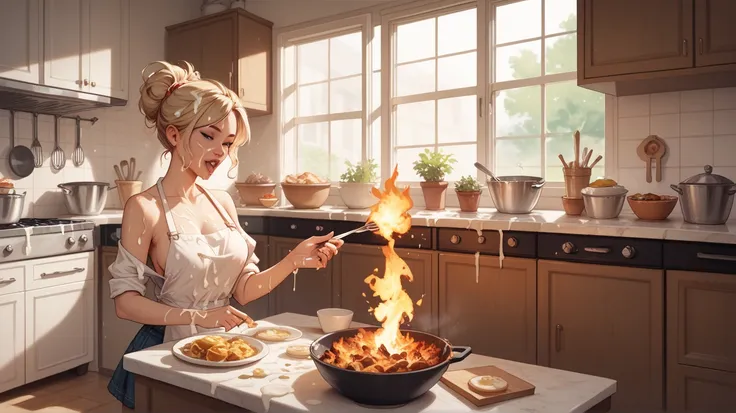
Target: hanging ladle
column 486, row 171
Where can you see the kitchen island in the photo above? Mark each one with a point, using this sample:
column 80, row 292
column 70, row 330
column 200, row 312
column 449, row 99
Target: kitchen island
column 167, row 384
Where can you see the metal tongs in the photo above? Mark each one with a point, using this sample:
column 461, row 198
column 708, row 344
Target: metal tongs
column 371, row 226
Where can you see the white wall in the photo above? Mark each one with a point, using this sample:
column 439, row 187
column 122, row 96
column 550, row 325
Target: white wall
column 119, row 134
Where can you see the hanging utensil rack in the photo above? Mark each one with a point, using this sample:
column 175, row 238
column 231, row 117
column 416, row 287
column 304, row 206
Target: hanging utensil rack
column 91, row 120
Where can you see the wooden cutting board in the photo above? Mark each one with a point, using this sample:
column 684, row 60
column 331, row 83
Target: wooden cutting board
column 457, row 380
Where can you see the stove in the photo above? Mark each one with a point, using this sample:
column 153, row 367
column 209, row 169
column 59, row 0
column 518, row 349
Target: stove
column 32, row 238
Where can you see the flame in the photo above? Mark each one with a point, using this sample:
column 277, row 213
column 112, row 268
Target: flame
column 391, row 216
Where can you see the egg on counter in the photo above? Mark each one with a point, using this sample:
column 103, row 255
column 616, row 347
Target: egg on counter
column 488, row 384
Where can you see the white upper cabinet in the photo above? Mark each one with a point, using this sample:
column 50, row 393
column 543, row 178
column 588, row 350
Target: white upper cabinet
column 86, row 46
column 20, row 51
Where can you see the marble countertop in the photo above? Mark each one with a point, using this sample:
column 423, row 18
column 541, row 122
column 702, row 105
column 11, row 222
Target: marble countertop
column 108, row 216
column 556, row 390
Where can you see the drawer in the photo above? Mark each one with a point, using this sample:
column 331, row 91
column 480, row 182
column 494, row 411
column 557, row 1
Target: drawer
column 12, row 277
column 514, row 243
column 700, row 256
column 299, row 228
column 253, row 224
column 60, row 270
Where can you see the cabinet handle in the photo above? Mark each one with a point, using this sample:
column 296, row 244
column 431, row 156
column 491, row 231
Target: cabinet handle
column 480, row 107
column 8, row 281
column 242, row 92
column 558, row 338
column 232, row 67
column 79, row 82
column 597, row 250
column 86, row 82
column 59, row 273
column 700, row 45
column 684, row 47
column 718, row 257
column 93, row 84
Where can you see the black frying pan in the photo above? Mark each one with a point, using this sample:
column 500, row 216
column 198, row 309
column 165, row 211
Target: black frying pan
column 21, row 157
column 384, row 389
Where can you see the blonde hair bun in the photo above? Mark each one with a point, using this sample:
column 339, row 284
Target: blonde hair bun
column 158, row 83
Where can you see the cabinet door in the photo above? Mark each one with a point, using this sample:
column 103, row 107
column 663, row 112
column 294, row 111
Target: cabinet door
column 606, row 321
column 715, row 32
column 184, row 43
column 700, row 390
column 258, row 309
column 65, row 43
column 108, row 48
column 59, row 328
column 19, row 27
column 304, row 292
column 617, row 40
column 254, row 65
column 356, row 262
column 495, row 313
column 12, row 346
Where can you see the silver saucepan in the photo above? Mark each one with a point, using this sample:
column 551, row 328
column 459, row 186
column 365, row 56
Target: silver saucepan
column 85, row 198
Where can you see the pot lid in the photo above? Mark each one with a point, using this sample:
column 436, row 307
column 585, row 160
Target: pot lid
column 708, row 178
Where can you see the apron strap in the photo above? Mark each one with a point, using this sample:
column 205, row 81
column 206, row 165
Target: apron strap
column 173, row 234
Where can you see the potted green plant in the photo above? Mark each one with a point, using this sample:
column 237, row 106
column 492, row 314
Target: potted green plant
column 432, row 167
column 468, row 192
column 356, row 184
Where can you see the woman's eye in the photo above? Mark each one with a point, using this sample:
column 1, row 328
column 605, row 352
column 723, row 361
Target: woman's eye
column 206, row 136
column 228, row 144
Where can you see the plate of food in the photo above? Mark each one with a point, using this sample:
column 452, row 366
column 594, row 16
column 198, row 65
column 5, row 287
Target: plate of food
column 220, row 350
column 275, row 333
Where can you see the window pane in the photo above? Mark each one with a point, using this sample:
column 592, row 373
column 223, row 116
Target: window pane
column 346, row 95
column 288, row 67
column 345, row 55
column 518, row 61
column 559, row 16
column 415, row 40
column 466, row 155
column 415, row 124
column 289, row 105
column 312, row 149
column 570, row 108
column 456, row 119
column 290, row 150
column 345, row 140
column 376, row 86
column 405, row 159
column 563, row 144
column 312, row 100
column 519, row 111
column 457, row 71
column 376, row 48
column 312, row 64
column 518, row 21
column 522, row 156
column 415, row 78
column 375, row 143
column 560, row 54
column 457, row 32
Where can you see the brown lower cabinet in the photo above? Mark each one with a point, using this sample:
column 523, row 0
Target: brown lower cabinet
column 605, row 321
column 356, row 262
column 495, row 314
column 259, row 308
column 701, row 341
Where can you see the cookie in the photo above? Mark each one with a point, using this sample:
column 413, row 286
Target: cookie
column 487, row 384
column 298, row 351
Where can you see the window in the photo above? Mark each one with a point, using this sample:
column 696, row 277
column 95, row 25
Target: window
column 537, row 103
column 322, row 102
column 434, row 90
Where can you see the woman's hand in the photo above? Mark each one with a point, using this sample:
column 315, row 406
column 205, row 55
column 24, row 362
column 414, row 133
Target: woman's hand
column 227, row 317
column 314, row 252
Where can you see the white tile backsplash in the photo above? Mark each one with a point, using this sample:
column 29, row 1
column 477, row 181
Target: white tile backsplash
column 665, row 126
column 696, row 100
column 633, row 127
column 696, row 123
column 724, row 122
column 629, row 106
column 698, row 151
column 724, row 98
column 663, row 103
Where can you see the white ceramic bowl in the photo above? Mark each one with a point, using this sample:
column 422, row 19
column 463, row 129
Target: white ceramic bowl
column 334, row 319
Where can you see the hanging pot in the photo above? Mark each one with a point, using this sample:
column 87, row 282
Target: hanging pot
column 706, row 198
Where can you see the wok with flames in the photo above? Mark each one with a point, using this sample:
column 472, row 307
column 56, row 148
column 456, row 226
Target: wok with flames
column 386, row 388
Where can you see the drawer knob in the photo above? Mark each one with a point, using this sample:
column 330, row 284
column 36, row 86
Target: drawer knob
column 71, row 241
column 628, row 252
column 568, row 248
column 455, row 239
column 245, row 223
column 481, row 240
column 293, row 226
column 512, row 242
column 8, row 249
column 319, row 228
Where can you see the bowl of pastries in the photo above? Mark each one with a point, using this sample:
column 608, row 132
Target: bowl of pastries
column 652, row 207
column 306, row 190
column 6, row 186
column 220, row 350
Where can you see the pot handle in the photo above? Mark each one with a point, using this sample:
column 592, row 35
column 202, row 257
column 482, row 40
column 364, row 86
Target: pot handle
column 676, row 188
column 464, row 352
column 732, row 191
column 64, row 188
column 538, row 185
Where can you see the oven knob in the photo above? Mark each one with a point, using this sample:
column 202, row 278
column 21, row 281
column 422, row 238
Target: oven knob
column 319, row 228
column 245, row 223
column 9, row 249
column 568, row 247
column 481, row 240
column 293, row 226
column 83, row 239
column 512, row 242
column 628, row 252
column 455, row 239
column 71, row 241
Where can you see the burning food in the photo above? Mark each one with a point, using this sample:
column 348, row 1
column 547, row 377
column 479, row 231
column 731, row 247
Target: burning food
column 218, row 348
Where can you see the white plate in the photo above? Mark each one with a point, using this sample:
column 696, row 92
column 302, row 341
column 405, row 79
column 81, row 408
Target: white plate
column 294, row 333
column 260, row 346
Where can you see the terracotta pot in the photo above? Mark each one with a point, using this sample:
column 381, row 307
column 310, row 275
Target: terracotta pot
column 250, row 194
column 469, row 201
column 434, row 195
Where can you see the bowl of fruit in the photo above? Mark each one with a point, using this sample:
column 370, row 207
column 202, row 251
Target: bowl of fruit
column 652, row 207
column 268, row 200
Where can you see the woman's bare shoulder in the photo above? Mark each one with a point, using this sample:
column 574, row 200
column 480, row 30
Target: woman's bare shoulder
column 143, row 207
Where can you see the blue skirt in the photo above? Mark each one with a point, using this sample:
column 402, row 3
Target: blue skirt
column 122, row 384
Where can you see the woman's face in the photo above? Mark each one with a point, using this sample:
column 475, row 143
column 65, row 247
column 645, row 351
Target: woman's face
column 211, row 144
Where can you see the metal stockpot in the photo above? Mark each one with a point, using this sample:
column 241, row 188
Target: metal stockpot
column 85, row 198
column 11, row 207
column 706, row 198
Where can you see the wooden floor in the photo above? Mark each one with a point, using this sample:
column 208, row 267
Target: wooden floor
column 63, row 393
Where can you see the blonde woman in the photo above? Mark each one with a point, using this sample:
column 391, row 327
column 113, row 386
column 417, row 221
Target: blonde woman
column 183, row 238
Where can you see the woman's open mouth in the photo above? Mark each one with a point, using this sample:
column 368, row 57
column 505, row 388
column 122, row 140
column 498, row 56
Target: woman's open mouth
column 211, row 166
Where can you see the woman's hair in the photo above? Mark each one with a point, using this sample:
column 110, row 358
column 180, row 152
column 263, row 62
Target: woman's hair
column 175, row 95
